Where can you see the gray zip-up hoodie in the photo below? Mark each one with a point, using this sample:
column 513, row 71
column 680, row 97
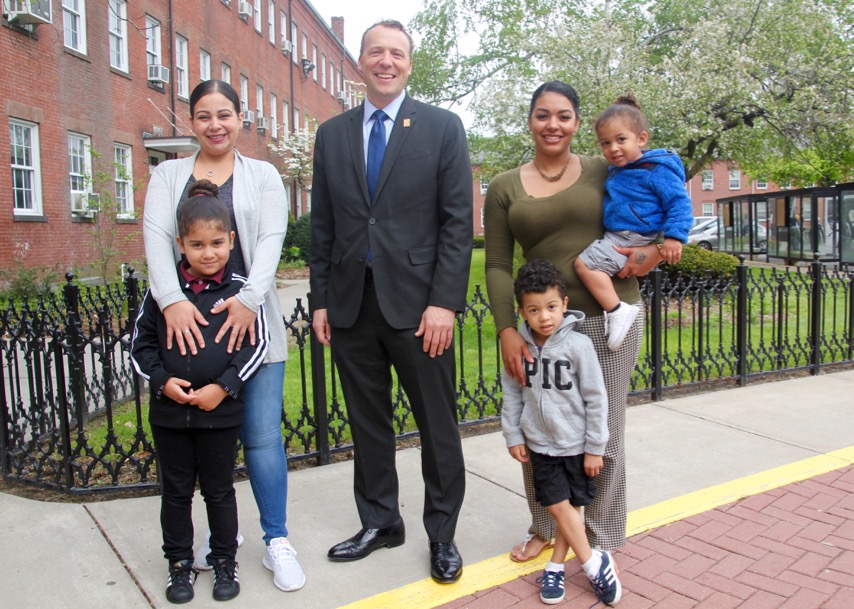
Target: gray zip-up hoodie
column 563, row 409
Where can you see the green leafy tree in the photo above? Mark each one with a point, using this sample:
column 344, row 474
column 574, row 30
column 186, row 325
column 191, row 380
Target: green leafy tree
column 765, row 83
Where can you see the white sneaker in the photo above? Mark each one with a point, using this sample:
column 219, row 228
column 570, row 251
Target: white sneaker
column 201, row 560
column 281, row 559
column 617, row 324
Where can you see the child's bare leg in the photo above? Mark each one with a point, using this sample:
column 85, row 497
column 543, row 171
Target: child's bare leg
column 570, row 533
column 599, row 284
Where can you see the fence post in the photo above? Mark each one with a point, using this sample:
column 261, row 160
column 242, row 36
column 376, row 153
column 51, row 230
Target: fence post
column 318, row 389
column 850, row 316
column 64, row 424
column 741, row 325
column 657, row 332
column 815, row 320
column 73, row 329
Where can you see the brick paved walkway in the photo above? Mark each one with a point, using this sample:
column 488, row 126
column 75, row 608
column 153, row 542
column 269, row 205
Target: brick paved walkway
column 788, row 548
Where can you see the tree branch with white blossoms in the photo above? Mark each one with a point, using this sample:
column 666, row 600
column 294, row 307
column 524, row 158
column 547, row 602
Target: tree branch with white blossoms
column 296, row 149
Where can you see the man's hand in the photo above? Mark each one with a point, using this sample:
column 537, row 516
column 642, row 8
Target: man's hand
column 513, row 350
column 182, row 325
column 321, row 327
column 240, row 319
column 437, row 328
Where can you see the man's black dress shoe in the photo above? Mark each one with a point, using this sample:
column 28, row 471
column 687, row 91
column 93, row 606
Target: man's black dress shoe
column 367, row 540
column 446, row 564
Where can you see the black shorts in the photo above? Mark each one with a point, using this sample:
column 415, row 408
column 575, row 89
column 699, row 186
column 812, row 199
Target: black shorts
column 560, row 478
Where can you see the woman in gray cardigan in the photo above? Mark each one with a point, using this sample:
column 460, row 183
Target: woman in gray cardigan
column 255, row 196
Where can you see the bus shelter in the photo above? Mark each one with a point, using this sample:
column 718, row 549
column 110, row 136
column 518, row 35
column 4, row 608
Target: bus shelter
column 843, row 229
column 804, row 222
column 743, row 228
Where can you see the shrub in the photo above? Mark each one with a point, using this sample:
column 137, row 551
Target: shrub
column 298, row 240
column 479, row 242
column 698, row 261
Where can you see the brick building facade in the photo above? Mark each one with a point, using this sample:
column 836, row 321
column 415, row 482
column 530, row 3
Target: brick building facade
column 106, row 83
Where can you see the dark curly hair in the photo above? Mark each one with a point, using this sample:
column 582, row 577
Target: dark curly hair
column 202, row 205
column 537, row 277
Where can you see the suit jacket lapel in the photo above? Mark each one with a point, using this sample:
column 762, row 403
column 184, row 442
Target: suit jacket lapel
column 402, row 128
column 357, row 150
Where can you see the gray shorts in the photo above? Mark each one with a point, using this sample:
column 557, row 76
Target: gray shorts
column 601, row 255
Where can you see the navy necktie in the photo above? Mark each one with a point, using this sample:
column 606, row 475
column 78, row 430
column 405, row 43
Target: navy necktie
column 376, row 151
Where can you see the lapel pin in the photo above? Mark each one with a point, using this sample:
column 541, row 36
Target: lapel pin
column 407, row 122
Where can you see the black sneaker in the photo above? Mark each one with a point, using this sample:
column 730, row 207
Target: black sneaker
column 226, row 585
column 179, row 587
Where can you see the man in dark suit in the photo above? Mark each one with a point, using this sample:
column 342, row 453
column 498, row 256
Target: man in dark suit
column 390, row 254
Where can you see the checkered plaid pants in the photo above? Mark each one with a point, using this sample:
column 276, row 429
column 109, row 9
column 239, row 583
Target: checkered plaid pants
column 605, row 518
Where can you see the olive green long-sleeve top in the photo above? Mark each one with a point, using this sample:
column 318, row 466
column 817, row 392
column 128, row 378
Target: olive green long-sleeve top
column 555, row 228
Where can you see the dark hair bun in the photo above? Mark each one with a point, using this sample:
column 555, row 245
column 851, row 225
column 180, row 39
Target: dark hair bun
column 203, row 188
column 627, row 100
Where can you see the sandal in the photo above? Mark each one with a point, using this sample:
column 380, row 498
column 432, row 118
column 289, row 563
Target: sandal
column 517, row 554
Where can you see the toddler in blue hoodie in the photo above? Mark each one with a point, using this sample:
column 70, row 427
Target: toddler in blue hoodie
column 645, row 196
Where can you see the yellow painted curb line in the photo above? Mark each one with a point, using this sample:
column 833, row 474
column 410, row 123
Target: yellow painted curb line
column 425, row 594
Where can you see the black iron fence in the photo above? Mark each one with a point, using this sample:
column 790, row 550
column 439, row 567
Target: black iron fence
column 73, row 414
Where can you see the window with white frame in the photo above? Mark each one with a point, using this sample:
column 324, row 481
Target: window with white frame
column 323, row 70
column 296, row 120
column 226, row 73
column 288, row 195
column 294, row 38
column 285, row 118
column 256, row 14
column 305, row 46
column 74, row 24
column 274, row 116
column 734, row 179
column 481, row 217
column 283, row 26
column 761, row 185
column 259, row 101
column 152, row 42
column 244, row 93
column 483, row 185
column 124, row 180
column 118, row 34
column 298, row 192
column 314, row 61
column 332, row 81
column 708, row 179
column 204, row 65
column 26, row 168
column 708, row 209
column 79, row 164
column 271, row 21
column 182, row 76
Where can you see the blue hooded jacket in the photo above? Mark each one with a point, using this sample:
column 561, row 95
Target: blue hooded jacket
column 648, row 196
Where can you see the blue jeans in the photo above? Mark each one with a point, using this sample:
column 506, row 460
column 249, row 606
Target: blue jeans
column 263, row 448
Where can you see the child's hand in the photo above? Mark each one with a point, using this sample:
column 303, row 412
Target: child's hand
column 519, row 452
column 208, row 397
column 671, row 251
column 174, row 389
column 593, row 464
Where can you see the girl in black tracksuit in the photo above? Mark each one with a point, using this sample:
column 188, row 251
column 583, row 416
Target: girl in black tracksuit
column 195, row 412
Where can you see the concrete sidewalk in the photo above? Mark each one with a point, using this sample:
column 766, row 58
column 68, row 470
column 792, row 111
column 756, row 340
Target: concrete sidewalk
column 686, row 456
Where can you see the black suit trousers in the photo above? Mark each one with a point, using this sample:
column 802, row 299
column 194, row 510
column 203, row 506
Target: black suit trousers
column 364, row 354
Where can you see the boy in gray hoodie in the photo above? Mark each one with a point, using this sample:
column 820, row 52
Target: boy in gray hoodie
column 558, row 420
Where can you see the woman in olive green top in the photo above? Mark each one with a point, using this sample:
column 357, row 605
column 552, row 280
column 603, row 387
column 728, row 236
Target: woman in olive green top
column 552, row 206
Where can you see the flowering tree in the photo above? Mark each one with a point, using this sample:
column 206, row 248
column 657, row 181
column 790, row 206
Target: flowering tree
column 296, row 151
column 765, row 83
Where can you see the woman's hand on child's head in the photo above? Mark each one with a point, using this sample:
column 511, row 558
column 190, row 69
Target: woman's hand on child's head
column 240, row 320
column 182, row 324
column 671, row 251
column 177, row 390
column 208, row 397
column 593, row 464
column 519, row 452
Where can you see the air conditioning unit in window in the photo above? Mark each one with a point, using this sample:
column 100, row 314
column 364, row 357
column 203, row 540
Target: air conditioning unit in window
column 158, row 74
column 244, row 9
column 31, row 12
column 263, row 124
column 83, row 203
column 287, row 47
column 342, row 96
column 347, row 102
column 248, row 118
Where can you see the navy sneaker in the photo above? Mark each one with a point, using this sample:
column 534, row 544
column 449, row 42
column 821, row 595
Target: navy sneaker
column 606, row 585
column 551, row 587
